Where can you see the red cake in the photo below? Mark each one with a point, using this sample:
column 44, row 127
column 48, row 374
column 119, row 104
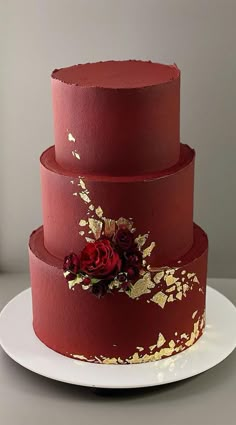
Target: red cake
column 118, row 270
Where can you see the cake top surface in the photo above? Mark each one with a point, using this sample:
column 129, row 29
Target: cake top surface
column 117, row 74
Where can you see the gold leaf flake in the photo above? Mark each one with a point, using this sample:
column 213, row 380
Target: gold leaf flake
column 183, row 279
column 141, row 240
column 147, row 251
column 76, row 154
column 195, row 279
column 170, row 271
column 72, row 181
column 151, row 348
column 189, row 275
column 85, row 197
column 89, row 240
column 75, row 194
column 96, row 227
column 185, row 287
column 184, row 335
column 171, row 289
column 161, row 340
column 91, row 207
column 172, row 344
column 99, row 212
column 141, row 287
column 110, row 227
column 160, row 299
column 83, row 223
column 166, row 352
column 81, row 233
column 170, row 298
column 183, row 272
column 179, row 295
column 158, row 276
column 194, row 314
column 133, row 359
column 111, row 360
column 82, row 184
column 79, row 357
column 71, row 138
column 170, row 279
column 124, row 222
column 140, row 348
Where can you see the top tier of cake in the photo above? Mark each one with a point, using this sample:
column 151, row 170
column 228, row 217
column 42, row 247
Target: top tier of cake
column 121, row 117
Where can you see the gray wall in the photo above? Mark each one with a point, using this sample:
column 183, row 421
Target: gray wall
column 39, row 35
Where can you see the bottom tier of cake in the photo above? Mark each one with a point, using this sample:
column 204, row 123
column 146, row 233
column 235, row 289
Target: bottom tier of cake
column 162, row 314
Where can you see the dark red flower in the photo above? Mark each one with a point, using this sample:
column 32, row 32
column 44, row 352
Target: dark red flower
column 71, row 263
column 99, row 260
column 134, row 259
column 133, row 264
column 100, row 288
column 132, row 272
column 124, row 239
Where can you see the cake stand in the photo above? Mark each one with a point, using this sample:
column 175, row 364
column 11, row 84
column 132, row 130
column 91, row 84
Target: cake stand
column 20, row 343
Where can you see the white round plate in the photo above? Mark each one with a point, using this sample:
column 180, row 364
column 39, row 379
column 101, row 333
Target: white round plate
column 20, row 343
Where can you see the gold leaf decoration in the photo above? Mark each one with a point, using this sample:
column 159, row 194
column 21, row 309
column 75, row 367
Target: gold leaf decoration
column 194, row 314
column 81, row 233
column 160, row 298
column 179, row 296
column 170, row 298
column 140, row 348
column 82, row 184
column 96, row 227
column 170, row 279
column 76, row 154
column 158, row 276
column 91, row 207
column 124, row 222
column 110, row 227
column 141, row 240
column 99, row 212
column 71, row 138
column 83, row 223
column 151, row 348
column 141, row 287
column 85, row 197
column 89, row 240
column 161, row 340
column 147, row 251
column 171, row 289
column 172, row 344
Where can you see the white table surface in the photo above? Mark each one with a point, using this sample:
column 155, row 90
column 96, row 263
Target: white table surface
column 27, row 398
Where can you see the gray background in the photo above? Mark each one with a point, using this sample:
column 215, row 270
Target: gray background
column 40, row 35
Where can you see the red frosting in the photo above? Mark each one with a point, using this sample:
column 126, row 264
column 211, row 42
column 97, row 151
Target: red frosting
column 76, row 322
column 161, row 204
column 118, row 154
column 124, row 124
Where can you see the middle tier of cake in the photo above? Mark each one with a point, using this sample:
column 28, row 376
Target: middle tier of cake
column 160, row 206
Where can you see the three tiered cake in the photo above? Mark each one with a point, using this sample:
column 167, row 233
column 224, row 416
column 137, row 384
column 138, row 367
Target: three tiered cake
column 118, row 270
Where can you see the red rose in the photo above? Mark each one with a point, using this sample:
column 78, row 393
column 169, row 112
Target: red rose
column 99, row 260
column 71, row 263
column 124, row 239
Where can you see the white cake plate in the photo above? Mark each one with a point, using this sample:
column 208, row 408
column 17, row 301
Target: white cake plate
column 20, row 343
